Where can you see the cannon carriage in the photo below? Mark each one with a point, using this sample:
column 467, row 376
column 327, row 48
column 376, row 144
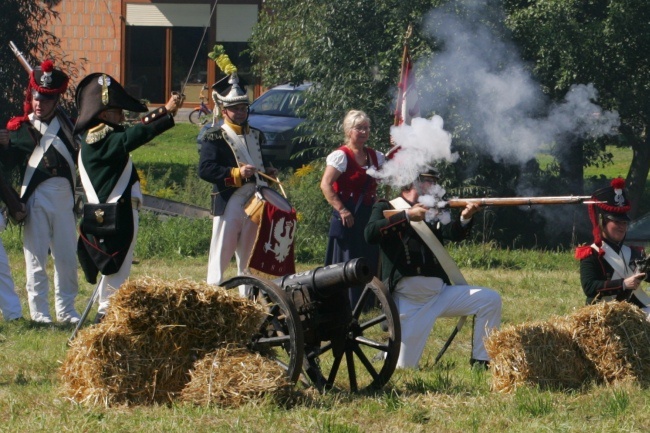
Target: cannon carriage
column 314, row 333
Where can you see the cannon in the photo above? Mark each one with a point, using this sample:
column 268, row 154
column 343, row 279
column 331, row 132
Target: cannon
column 313, row 332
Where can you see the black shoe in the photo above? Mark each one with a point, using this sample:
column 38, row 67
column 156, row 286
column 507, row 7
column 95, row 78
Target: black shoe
column 99, row 318
column 479, row 364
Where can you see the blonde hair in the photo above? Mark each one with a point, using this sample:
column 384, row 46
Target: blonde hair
column 352, row 119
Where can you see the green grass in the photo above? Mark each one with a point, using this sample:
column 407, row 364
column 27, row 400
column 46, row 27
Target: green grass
column 448, row 397
column 619, row 166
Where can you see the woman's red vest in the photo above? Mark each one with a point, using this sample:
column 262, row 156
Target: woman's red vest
column 354, row 183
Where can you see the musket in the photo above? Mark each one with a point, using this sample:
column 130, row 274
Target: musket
column 21, row 58
column 517, row 201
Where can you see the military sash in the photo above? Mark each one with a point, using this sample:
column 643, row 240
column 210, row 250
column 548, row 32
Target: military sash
column 49, row 138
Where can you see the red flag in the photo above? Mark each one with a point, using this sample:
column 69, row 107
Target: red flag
column 406, row 106
column 273, row 251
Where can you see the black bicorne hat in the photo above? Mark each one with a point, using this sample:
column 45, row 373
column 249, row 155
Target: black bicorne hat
column 98, row 92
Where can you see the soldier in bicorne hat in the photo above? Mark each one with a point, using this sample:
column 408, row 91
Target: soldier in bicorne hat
column 608, row 270
column 41, row 145
column 231, row 157
column 108, row 175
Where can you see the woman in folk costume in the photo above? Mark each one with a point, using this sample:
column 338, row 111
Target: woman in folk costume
column 230, row 159
column 607, row 266
column 351, row 192
column 108, row 176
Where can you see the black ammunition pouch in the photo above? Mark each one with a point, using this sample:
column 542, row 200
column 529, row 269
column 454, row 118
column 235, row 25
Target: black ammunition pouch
column 101, row 219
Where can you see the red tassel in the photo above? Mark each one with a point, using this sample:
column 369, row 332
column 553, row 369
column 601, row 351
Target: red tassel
column 47, row 66
column 618, row 183
column 15, row 122
column 583, row 251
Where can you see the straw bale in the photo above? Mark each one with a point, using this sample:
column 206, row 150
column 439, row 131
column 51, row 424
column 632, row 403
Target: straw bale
column 608, row 342
column 539, row 354
column 615, row 337
column 232, row 376
column 153, row 333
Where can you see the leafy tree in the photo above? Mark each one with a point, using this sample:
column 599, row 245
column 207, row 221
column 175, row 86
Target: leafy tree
column 605, row 42
column 25, row 23
column 352, row 51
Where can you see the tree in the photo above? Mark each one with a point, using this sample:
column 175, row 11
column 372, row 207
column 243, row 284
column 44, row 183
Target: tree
column 605, row 42
column 350, row 49
column 25, row 23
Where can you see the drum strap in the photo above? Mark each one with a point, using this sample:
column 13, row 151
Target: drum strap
column 246, row 149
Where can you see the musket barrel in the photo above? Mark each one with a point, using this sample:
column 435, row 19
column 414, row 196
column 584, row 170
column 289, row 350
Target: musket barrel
column 21, row 58
column 518, row 201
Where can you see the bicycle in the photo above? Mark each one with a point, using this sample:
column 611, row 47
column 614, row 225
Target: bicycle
column 201, row 114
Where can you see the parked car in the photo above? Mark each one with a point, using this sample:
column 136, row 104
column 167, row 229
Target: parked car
column 274, row 113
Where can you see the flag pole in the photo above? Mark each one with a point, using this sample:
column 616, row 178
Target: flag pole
column 400, row 90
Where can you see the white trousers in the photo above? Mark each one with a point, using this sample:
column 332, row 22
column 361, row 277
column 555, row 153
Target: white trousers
column 233, row 233
column 51, row 226
column 9, row 301
column 421, row 300
column 110, row 283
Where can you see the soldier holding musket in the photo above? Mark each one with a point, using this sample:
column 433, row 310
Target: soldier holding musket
column 608, row 267
column 41, row 146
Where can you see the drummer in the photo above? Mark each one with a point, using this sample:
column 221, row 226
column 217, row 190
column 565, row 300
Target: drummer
column 231, row 159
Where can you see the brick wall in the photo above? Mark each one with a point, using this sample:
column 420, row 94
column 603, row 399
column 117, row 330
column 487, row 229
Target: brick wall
column 91, row 30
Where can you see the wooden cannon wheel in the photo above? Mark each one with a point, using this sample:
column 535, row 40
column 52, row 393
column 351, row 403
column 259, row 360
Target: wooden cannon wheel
column 280, row 334
column 365, row 356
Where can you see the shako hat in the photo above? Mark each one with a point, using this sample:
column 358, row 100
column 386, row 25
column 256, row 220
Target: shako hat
column 98, row 92
column 609, row 202
column 230, row 90
column 612, row 202
column 46, row 82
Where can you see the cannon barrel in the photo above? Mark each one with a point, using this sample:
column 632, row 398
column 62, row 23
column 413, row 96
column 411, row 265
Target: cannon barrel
column 324, row 281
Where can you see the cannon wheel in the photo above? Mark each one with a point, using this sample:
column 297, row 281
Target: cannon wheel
column 280, row 334
column 369, row 348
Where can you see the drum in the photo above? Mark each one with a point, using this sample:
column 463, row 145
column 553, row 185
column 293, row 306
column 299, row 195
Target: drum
column 263, row 194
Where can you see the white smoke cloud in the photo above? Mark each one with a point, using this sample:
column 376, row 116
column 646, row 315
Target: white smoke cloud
column 420, row 145
column 489, row 87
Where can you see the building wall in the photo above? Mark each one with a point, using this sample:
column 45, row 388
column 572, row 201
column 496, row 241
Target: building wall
column 91, row 30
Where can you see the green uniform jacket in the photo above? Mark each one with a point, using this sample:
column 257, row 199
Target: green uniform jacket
column 403, row 252
column 104, row 154
column 22, row 144
column 596, row 276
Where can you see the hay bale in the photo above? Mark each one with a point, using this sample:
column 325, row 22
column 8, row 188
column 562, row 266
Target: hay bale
column 608, row 342
column 232, row 376
column 539, row 354
column 152, row 335
column 615, row 337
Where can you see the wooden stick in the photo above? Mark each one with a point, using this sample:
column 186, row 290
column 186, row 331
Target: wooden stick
column 272, row 179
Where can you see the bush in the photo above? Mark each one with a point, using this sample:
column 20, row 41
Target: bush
column 303, row 191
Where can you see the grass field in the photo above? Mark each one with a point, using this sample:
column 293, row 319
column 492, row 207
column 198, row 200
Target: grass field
column 448, row 397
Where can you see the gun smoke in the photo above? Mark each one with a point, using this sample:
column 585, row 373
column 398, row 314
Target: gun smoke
column 479, row 80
